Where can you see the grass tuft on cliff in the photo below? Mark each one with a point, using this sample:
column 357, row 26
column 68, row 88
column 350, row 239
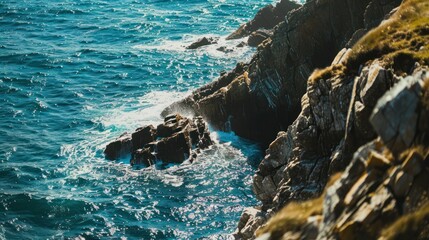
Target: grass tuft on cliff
column 294, row 216
column 410, row 226
column 398, row 42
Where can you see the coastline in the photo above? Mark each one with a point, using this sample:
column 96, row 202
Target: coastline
column 326, row 118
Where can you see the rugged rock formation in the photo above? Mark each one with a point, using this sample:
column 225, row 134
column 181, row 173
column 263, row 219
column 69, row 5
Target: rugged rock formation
column 173, row 141
column 266, row 18
column 268, row 98
column 335, row 122
column 383, row 193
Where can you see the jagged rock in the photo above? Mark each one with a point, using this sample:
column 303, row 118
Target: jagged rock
column 241, row 44
column 203, row 42
column 143, row 157
column 395, row 116
column 119, row 148
column 143, row 136
column 225, row 49
column 267, row 17
column 250, row 220
column 177, row 139
column 258, row 36
column 174, row 149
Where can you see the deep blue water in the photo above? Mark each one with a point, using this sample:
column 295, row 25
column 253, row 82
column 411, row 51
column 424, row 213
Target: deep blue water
column 76, row 74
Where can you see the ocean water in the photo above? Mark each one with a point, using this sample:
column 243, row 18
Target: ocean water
column 76, row 74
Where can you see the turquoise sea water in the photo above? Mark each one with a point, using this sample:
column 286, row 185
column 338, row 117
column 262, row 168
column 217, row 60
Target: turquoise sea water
column 76, row 74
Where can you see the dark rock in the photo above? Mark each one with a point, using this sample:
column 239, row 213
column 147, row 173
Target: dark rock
column 241, row 44
column 143, row 156
column 202, row 42
column 174, row 141
column 143, row 136
column 257, row 37
column 119, row 148
column 225, row 49
column 267, row 17
column 174, row 149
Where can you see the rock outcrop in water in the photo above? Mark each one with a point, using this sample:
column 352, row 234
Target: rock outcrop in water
column 203, row 42
column 177, row 139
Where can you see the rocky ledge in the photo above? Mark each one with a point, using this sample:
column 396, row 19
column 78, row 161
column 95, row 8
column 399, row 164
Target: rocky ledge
column 177, row 139
column 339, row 114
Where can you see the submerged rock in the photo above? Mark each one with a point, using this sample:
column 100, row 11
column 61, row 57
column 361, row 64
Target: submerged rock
column 173, row 141
column 203, row 42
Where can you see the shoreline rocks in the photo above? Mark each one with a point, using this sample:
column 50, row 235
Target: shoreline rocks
column 177, row 139
column 203, row 42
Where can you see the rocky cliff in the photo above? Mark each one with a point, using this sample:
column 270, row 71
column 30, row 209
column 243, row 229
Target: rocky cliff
column 258, row 99
column 382, row 193
column 342, row 87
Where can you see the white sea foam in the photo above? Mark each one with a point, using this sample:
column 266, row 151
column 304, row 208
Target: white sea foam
column 211, row 50
column 146, row 112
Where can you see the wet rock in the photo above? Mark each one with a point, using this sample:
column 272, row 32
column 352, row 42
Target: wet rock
column 174, row 149
column 203, row 42
column 177, row 139
column 143, row 157
column 241, row 44
column 119, row 148
column 257, row 37
column 143, row 136
column 225, row 49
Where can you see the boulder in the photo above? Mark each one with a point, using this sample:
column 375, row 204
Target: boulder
column 143, row 157
column 143, row 136
column 203, row 42
column 173, row 141
column 225, row 49
column 174, row 149
column 119, row 148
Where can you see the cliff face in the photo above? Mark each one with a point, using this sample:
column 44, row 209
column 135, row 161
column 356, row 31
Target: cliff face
column 267, row 98
column 384, row 180
column 383, row 193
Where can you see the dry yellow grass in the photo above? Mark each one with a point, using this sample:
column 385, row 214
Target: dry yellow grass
column 295, row 214
column 410, row 226
column 399, row 43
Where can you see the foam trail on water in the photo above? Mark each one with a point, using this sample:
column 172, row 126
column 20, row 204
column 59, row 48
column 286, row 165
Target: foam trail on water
column 210, row 50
